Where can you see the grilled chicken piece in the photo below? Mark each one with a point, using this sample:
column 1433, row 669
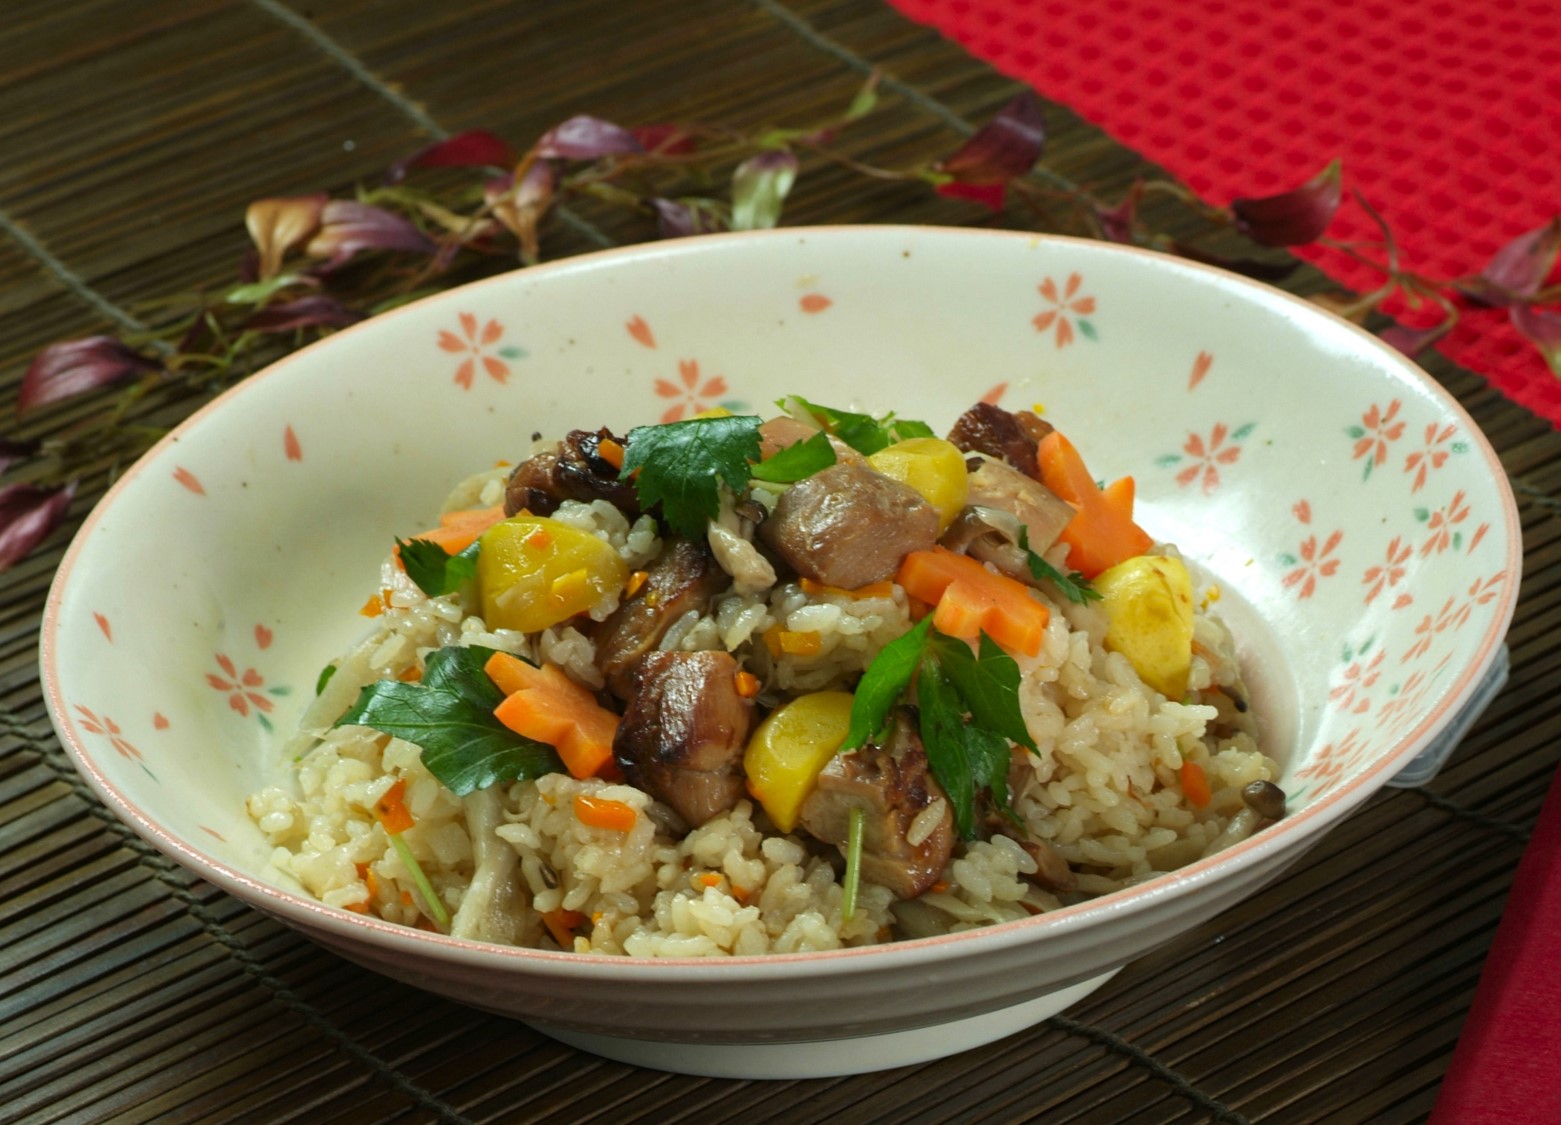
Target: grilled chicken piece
column 1043, row 513
column 1008, row 436
column 683, row 733
column 894, row 785
column 848, row 526
column 685, row 577
column 575, row 470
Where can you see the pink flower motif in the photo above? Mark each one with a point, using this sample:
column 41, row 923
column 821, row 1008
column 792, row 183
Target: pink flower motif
column 1387, row 574
column 1313, row 561
column 1350, row 692
column 1327, row 769
column 92, row 724
column 1205, row 458
column 243, row 687
column 693, row 395
column 1432, row 456
column 1064, row 303
column 474, row 345
column 1442, row 524
column 1377, row 428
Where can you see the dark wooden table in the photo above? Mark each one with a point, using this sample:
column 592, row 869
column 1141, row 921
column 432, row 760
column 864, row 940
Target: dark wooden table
column 133, row 133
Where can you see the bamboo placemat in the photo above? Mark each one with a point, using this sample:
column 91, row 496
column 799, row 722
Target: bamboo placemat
column 134, row 133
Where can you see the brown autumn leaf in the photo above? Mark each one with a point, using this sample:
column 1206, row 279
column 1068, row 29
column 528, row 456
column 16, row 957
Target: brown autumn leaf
column 278, row 225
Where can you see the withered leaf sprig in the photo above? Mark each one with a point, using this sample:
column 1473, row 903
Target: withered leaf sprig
column 320, row 263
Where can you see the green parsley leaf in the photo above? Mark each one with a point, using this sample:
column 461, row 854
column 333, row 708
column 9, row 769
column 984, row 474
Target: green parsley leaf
column 324, row 678
column 942, row 736
column 862, row 432
column 435, row 572
column 988, row 683
column 1073, row 585
column 682, row 464
column 450, row 716
column 884, row 682
column 796, row 461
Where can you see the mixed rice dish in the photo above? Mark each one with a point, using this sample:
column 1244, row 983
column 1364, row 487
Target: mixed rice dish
column 730, row 686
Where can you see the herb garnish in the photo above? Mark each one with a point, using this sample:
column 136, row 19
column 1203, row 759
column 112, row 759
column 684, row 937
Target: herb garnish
column 862, row 432
column 969, row 713
column 796, row 462
column 1073, row 585
column 450, row 716
column 681, row 466
column 436, row 572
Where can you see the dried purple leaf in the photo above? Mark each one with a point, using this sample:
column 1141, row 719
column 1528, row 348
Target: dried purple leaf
column 347, row 226
column 664, row 140
column 584, row 137
column 74, row 367
column 1116, row 223
column 1295, row 217
column 759, row 187
column 28, row 512
column 277, row 225
column 676, row 219
column 476, row 148
column 1412, row 341
column 1542, row 328
column 1518, row 269
column 305, row 312
column 1005, row 147
column 521, row 208
column 16, row 450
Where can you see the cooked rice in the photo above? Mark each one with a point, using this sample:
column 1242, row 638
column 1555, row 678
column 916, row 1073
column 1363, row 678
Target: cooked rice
column 1104, row 790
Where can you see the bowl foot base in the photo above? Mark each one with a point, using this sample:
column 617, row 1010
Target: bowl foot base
column 828, row 1058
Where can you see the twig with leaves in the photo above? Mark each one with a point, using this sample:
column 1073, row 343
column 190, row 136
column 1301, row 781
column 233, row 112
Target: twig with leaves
column 403, row 241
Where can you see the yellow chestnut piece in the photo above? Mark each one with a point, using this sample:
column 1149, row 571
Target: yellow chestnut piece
column 933, row 467
column 1148, row 606
column 791, row 746
column 533, row 572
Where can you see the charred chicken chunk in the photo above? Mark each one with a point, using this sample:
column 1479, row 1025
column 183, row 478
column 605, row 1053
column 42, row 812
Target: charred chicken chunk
column 848, row 526
column 683, row 734
column 1006, row 435
column 685, row 577
column 574, row 470
column 894, row 786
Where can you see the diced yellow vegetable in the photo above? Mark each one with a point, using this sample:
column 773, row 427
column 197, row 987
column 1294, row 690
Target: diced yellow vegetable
column 786, row 753
column 533, row 572
column 933, row 467
column 1148, row 606
column 713, row 412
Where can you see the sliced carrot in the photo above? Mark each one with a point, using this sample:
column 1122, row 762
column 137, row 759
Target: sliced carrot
column 546, row 705
column 1195, row 785
column 1102, row 532
column 391, row 809
column 459, row 530
column 561, row 924
column 411, row 674
column 884, row 589
column 747, row 683
column 971, row 599
column 709, row 879
column 611, row 452
column 375, row 606
column 792, row 642
column 600, row 812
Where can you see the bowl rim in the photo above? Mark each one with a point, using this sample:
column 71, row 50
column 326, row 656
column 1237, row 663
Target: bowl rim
column 352, row 928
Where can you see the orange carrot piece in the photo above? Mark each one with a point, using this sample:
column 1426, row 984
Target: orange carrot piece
column 459, row 530
column 971, row 599
column 561, row 924
column 375, row 606
column 709, row 879
column 391, row 809
column 546, row 705
column 1102, row 532
column 1195, row 785
column 636, row 580
column 747, row 683
column 600, row 812
column 882, row 589
column 611, row 452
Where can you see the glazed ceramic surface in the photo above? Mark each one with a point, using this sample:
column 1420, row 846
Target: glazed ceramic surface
column 1358, row 526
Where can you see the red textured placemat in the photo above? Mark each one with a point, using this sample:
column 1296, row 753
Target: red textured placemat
column 1445, row 113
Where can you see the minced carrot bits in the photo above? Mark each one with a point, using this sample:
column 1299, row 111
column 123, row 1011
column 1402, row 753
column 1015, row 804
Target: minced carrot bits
column 747, row 683
column 884, row 589
column 539, row 540
column 376, row 605
column 636, row 580
column 611, row 452
column 792, row 642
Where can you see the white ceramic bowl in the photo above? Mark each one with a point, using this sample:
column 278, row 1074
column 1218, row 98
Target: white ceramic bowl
column 1357, row 521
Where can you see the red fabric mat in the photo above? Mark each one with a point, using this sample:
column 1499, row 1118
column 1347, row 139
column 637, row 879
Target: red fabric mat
column 1444, row 113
